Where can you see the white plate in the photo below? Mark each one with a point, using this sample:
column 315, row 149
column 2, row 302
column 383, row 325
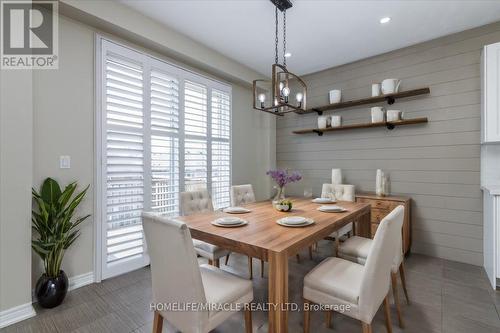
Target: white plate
column 307, row 222
column 236, row 210
column 332, row 209
column 293, row 220
column 323, row 200
column 242, row 223
column 229, row 220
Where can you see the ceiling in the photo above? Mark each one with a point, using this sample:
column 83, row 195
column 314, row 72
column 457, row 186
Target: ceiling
column 320, row 33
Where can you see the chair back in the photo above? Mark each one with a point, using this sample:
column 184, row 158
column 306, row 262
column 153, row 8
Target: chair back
column 242, row 194
column 175, row 273
column 377, row 270
column 195, row 202
column 342, row 192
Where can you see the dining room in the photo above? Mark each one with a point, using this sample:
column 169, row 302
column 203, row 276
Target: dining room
column 249, row 166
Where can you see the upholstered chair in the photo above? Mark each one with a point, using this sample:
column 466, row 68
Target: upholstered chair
column 357, row 249
column 339, row 192
column 177, row 279
column 241, row 195
column 339, row 282
column 196, row 202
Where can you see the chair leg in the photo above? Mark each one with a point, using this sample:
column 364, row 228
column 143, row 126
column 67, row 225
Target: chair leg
column 262, row 268
column 248, row 321
column 157, row 323
column 217, row 263
column 227, row 259
column 329, row 314
column 387, row 312
column 403, row 281
column 336, row 246
column 298, row 257
column 367, row 328
column 395, row 293
column 307, row 316
column 250, row 267
column 310, row 252
column 210, row 262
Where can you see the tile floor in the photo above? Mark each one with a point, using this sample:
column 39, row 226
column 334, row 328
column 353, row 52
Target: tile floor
column 446, row 297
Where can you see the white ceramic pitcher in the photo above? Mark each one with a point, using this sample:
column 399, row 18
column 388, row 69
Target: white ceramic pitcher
column 390, row 86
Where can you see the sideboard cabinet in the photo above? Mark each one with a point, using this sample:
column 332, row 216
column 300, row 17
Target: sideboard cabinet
column 381, row 206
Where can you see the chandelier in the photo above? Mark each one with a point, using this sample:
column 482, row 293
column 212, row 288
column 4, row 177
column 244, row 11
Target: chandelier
column 285, row 92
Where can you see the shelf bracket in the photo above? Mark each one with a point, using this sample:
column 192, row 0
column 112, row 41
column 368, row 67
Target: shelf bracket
column 320, row 133
column 390, row 126
column 319, row 112
column 390, row 100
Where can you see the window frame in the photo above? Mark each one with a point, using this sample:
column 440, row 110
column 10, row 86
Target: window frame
column 149, row 62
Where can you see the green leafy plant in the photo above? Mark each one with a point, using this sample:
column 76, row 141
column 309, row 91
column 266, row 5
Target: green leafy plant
column 53, row 222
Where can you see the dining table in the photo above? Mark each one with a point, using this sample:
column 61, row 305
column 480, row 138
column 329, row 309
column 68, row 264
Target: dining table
column 263, row 238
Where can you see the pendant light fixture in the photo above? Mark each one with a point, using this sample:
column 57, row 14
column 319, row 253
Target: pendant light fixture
column 285, row 92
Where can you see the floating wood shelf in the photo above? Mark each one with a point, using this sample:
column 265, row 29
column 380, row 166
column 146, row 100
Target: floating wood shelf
column 390, row 125
column 390, row 98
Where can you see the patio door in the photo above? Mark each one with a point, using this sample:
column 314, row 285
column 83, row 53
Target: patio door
column 160, row 130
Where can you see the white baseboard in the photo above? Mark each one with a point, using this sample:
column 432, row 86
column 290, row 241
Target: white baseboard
column 81, row 280
column 25, row 311
column 16, row 314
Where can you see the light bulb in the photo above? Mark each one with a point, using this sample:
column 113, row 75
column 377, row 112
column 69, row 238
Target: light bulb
column 281, row 85
column 276, row 102
column 299, row 97
column 262, row 98
column 286, row 91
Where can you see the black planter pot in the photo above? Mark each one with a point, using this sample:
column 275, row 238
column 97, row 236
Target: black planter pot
column 50, row 292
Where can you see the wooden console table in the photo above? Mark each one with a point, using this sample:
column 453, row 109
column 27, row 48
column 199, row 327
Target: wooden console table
column 381, row 206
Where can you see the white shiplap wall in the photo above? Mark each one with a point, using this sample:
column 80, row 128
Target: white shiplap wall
column 437, row 164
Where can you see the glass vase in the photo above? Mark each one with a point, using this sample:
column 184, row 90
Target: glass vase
column 280, row 194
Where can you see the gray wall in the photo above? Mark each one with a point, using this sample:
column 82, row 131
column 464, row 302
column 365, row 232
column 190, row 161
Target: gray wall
column 15, row 188
column 436, row 164
column 63, row 124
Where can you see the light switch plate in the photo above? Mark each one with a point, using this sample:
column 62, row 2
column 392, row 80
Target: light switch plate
column 65, row 161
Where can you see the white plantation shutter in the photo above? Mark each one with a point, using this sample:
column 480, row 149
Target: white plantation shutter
column 221, row 149
column 161, row 130
column 164, row 143
column 124, row 153
column 195, row 130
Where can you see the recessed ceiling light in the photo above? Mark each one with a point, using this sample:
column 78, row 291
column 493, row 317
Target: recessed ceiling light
column 288, row 55
column 385, row 20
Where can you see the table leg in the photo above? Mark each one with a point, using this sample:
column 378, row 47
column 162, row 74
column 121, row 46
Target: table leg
column 278, row 292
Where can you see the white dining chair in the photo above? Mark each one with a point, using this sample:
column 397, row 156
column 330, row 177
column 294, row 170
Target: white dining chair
column 195, row 202
column 358, row 289
column 339, row 192
column 241, row 195
column 177, row 279
column 357, row 249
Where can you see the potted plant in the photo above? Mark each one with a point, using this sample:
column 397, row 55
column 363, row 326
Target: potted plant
column 56, row 230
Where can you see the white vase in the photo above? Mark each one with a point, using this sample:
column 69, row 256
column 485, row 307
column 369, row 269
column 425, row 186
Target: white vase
column 322, row 122
column 335, row 96
column 379, row 190
column 336, row 176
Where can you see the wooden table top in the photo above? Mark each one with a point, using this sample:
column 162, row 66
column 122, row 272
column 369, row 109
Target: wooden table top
column 263, row 234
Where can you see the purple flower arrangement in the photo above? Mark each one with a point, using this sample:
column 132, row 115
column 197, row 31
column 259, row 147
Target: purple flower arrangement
column 283, row 177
